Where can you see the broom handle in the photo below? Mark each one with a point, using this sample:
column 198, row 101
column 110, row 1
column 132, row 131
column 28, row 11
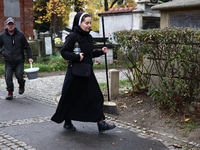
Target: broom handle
column 105, row 58
column 31, row 65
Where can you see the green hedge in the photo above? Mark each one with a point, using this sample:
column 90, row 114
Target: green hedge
column 172, row 55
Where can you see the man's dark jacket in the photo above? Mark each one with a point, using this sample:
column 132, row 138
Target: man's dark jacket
column 12, row 46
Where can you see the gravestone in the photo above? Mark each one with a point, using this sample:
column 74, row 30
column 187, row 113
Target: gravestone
column 48, row 45
column 179, row 13
column 185, row 20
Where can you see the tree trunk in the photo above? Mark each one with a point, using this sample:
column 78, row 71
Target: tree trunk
column 106, row 5
column 55, row 22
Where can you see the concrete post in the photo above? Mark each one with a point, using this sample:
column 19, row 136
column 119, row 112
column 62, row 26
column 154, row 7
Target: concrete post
column 113, row 83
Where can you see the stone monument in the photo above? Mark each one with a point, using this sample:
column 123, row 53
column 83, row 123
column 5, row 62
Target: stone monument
column 179, row 13
column 71, row 17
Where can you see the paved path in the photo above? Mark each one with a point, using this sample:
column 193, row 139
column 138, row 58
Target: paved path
column 25, row 123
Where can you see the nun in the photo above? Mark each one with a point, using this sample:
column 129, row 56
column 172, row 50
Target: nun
column 81, row 98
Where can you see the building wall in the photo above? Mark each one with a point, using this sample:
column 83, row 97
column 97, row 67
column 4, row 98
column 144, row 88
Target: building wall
column 137, row 21
column 113, row 23
column 21, row 11
column 118, row 19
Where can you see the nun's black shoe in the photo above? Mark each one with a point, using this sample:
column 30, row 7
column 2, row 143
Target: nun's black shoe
column 69, row 126
column 103, row 126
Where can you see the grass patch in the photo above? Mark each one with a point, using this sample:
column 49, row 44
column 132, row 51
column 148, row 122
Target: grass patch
column 54, row 63
column 125, row 84
column 168, row 120
column 122, row 83
column 103, row 86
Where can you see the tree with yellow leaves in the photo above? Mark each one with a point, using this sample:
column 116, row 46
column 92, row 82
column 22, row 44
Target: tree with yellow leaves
column 38, row 10
column 57, row 11
column 93, row 7
column 121, row 3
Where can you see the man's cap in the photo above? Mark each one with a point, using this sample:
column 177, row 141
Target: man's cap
column 10, row 20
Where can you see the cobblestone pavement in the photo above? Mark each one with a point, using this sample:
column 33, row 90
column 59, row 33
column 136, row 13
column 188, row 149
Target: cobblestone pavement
column 47, row 91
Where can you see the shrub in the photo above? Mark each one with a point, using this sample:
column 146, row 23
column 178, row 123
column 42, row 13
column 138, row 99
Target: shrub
column 172, row 55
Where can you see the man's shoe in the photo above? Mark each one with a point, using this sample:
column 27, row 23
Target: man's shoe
column 103, row 126
column 10, row 95
column 69, row 126
column 21, row 89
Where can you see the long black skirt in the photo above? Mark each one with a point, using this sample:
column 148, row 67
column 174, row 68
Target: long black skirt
column 81, row 99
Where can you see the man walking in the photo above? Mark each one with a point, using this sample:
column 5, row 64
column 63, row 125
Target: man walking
column 12, row 45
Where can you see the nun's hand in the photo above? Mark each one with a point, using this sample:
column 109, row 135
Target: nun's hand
column 105, row 49
column 81, row 56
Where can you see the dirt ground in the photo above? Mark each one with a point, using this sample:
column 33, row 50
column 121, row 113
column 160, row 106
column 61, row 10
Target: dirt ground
column 141, row 110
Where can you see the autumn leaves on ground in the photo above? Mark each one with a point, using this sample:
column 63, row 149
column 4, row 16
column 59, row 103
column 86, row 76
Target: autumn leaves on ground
column 143, row 111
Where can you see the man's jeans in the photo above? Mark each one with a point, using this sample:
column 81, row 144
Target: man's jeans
column 10, row 68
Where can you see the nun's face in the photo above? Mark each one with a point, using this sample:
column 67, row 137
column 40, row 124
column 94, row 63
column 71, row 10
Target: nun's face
column 86, row 24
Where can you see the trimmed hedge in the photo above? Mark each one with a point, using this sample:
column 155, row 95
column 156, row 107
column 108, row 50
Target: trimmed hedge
column 172, row 55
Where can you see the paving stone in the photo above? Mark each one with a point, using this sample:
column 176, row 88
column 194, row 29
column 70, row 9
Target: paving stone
column 6, row 148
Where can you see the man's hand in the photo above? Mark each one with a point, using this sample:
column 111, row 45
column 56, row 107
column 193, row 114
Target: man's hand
column 30, row 60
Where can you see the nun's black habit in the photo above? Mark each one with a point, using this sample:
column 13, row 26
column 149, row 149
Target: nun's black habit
column 81, row 99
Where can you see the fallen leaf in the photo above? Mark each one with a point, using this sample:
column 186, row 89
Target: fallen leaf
column 140, row 102
column 113, row 143
column 138, row 127
column 177, row 146
column 143, row 131
column 124, row 106
column 151, row 135
column 187, row 119
column 23, row 142
column 179, row 130
column 119, row 131
column 38, row 115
